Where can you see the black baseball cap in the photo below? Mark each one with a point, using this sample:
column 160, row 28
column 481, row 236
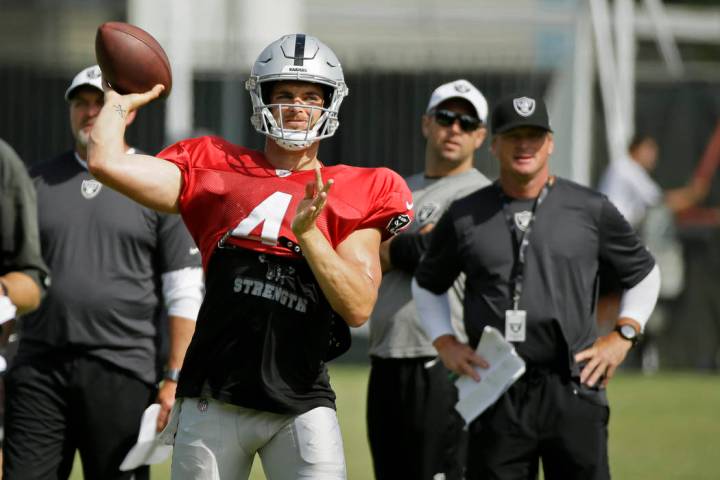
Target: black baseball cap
column 519, row 111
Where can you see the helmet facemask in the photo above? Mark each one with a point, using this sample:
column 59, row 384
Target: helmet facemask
column 296, row 58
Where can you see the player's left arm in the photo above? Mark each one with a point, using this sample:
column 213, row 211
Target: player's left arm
column 350, row 275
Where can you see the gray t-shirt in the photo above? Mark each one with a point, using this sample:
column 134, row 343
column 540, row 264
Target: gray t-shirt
column 395, row 331
column 107, row 254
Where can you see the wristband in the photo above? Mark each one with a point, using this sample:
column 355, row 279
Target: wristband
column 172, row 374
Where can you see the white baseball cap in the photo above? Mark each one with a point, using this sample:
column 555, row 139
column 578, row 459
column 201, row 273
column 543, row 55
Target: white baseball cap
column 460, row 89
column 91, row 76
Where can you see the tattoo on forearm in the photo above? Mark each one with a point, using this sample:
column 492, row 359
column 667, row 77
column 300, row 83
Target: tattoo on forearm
column 121, row 111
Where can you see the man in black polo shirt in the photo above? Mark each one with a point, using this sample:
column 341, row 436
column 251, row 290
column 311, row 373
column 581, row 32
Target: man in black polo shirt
column 530, row 245
column 87, row 362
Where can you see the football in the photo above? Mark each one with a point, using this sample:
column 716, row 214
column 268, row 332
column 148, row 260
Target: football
column 131, row 60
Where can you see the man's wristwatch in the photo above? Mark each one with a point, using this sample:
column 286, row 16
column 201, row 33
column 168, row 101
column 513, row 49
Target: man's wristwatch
column 172, row 374
column 628, row 332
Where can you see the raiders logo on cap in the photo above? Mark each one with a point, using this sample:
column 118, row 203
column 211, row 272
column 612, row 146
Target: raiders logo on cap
column 524, row 106
column 461, row 87
column 93, row 73
column 520, row 111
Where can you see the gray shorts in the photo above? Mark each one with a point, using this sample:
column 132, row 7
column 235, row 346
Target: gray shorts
column 216, row 440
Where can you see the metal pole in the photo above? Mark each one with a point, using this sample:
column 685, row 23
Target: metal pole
column 179, row 108
column 614, row 122
column 665, row 38
column 583, row 99
column 626, row 52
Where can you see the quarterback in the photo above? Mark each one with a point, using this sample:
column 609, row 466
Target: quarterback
column 290, row 252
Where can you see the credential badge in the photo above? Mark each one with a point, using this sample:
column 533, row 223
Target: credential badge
column 90, row 188
column 522, row 220
column 524, row 106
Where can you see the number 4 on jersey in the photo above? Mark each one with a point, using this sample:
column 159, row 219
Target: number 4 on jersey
column 270, row 212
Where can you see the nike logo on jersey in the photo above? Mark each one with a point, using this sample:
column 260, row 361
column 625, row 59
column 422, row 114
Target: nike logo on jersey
column 409, row 205
column 194, row 251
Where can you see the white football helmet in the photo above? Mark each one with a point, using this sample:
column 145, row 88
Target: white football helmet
column 297, row 57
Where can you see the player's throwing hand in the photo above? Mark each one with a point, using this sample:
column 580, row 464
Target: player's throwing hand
column 132, row 101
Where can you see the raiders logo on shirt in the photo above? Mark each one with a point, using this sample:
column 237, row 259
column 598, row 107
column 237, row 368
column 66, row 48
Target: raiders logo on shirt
column 398, row 224
column 426, row 211
column 90, row 188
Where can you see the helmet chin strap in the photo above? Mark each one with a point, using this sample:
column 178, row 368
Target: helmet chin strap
column 292, row 145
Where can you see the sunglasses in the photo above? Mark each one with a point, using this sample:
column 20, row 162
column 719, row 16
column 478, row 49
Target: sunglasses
column 446, row 118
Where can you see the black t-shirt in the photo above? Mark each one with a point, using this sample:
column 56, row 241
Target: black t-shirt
column 107, row 254
column 262, row 335
column 575, row 229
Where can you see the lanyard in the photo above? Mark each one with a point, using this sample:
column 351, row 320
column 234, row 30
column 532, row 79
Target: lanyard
column 520, row 247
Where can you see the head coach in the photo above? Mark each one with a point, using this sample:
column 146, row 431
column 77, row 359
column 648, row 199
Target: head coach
column 531, row 245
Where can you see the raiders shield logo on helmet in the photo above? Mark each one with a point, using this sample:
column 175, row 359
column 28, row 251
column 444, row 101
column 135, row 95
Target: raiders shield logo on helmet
column 398, row 224
column 522, row 220
column 90, row 188
column 524, row 106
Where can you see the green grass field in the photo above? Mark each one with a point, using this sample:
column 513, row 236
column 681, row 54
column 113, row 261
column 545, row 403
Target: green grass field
column 664, row 427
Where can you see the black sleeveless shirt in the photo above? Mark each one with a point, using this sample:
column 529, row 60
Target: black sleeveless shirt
column 263, row 335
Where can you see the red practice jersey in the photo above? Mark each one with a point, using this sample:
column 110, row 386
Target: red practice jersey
column 234, row 192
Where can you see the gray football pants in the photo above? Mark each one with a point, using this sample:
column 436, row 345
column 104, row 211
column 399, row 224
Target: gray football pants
column 216, row 440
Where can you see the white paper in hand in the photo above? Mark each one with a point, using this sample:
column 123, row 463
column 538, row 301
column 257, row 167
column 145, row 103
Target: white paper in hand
column 7, row 309
column 148, row 450
column 506, row 367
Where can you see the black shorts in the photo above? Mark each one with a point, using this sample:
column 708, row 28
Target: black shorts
column 8, row 354
column 58, row 404
column 413, row 428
